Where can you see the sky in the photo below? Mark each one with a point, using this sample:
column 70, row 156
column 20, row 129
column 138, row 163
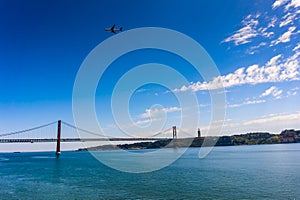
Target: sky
column 254, row 44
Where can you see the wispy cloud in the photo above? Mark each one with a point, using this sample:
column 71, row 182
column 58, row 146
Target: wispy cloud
column 253, row 49
column 254, row 27
column 154, row 114
column 146, row 121
column 251, row 30
column 293, row 4
column 276, row 69
column 246, row 33
column 272, row 22
column 274, row 122
column 248, row 102
column 141, row 90
column 292, row 92
column 275, row 119
column 278, row 3
column 296, row 47
column 289, row 18
column 158, row 111
column 285, row 37
column 273, row 91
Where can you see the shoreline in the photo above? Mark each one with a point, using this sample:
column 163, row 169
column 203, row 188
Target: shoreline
column 77, row 150
column 260, row 138
column 285, row 137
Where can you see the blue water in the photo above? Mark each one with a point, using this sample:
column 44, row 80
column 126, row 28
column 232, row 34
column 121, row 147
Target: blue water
column 239, row 172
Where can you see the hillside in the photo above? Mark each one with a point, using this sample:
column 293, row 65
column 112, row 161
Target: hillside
column 286, row 136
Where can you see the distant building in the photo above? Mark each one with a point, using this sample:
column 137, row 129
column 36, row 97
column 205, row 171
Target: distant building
column 174, row 132
column 199, row 133
column 288, row 136
column 288, row 139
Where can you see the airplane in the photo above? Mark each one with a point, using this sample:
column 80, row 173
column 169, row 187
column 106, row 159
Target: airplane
column 113, row 29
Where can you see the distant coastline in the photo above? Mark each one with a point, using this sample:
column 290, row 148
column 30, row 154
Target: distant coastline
column 286, row 136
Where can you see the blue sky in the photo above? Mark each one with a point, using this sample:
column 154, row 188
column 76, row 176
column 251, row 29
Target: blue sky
column 255, row 45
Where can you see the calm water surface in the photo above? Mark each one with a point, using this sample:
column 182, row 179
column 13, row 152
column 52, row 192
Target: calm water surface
column 240, row 172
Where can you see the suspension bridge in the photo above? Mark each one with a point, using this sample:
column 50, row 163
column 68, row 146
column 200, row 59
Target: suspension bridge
column 37, row 135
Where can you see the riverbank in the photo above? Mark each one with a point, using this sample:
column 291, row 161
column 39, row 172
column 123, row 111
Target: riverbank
column 286, row 136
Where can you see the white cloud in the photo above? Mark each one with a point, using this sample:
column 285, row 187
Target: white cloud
column 289, row 18
column 263, row 32
column 296, row 47
column 252, row 27
column 293, row 3
column 275, row 119
column 276, row 69
column 157, row 111
column 285, row 37
column 275, row 122
column 140, row 90
column 278, row 3
column 250, row 30
column 154, row 114
column 145, row 121
column 244, row 34
column 254, row 48
column 292, row 92
column 249, row 102
column 274, row 91
column 268, row 91
column 272, row 22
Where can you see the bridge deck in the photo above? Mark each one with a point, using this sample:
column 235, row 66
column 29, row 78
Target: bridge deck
column 78, row 140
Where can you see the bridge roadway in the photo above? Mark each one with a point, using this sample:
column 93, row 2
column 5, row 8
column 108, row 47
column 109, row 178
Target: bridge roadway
column 33, row 140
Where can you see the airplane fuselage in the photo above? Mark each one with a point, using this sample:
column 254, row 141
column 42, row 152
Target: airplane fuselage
column 113, row 29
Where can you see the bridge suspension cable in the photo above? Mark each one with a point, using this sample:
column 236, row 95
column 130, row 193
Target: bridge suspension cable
column 80, row 129
column 161, row 132
column 97, row 134
column 26, row 130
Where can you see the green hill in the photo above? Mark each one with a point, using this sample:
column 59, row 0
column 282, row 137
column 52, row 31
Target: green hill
column 286, row 136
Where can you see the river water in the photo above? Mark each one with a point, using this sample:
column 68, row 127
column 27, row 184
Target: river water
column 236, row 172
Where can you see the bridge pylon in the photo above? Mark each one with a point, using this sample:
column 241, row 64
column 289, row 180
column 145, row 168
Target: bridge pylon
column 58, row 138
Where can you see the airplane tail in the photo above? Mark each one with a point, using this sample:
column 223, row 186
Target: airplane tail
column 121, row 28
